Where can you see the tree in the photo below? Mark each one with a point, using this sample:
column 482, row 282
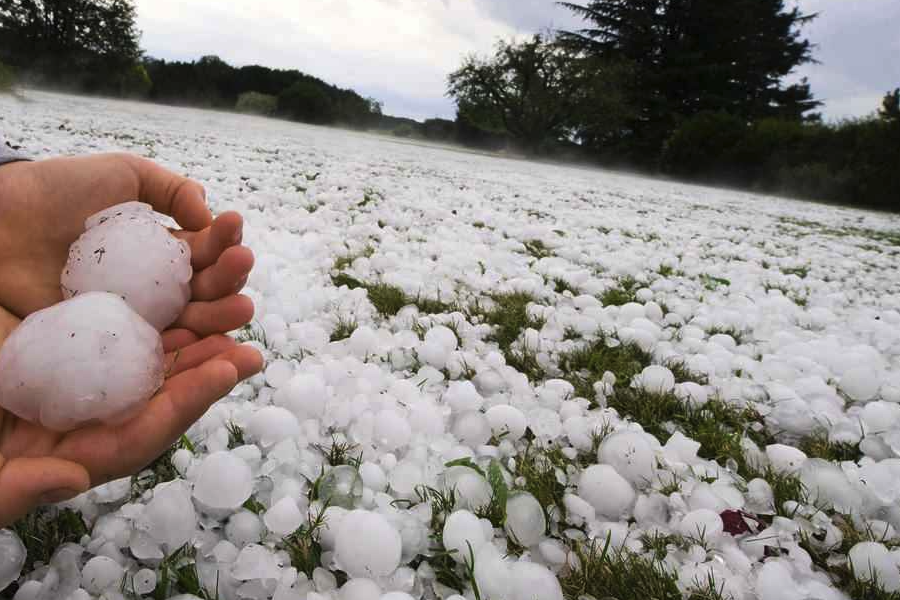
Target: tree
column 890, row 107
column 305, row 101
column 691, row 56
column 531, row 90
column 86, row 41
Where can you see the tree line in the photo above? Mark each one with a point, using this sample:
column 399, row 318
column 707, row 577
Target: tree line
column 93, row 46
column 695, row 89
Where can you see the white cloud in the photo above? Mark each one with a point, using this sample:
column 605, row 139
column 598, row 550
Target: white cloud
column 402, row 50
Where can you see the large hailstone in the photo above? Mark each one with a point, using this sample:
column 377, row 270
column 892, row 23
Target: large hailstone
column 91, row 358
column 127, row 252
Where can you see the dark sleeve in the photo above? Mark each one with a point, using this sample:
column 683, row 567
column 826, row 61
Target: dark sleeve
column 9, row 154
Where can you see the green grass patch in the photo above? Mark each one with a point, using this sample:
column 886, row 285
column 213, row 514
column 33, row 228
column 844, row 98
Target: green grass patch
column 606, row 573
column 389, row 299
column 621, row 294
column 560, row 286
column 800, row 272
column 713, row 283
column 344, row 329
column 585, row 366
column 44, row 530
column 537, row 249
column 177, row 574
column 817, row 445
column 345, row 261
column 736, row 334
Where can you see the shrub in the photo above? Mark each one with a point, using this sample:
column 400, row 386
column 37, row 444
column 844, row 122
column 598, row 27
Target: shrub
column 7, row 78
column 306, row 101
column 135, row 82
column 704, row 146
column 404, row 131
column 255, row 103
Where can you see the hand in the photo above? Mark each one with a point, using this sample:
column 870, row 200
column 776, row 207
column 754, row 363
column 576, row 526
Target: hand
column 43, row 206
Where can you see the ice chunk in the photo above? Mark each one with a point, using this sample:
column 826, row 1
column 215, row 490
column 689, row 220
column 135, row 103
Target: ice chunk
column 702, row 525
column 144, row 581
column 828, row 487
column 244, row 528
column 531, row 580
column 360, row 589
column 462, row 531
column 100, row 574
column 272, row 424
column 785, row 459
column 632, row 453
column 341, row 486
column 392, row 430
column 656, row 379
column 872, row 561
column 224, row 481
column 609, row 493
column 463, row 397
column 170, row 518
column 255, row 562
column 87, row 359
column 860, row 383
column 284, row 517
column 304, row 394
column 525, row 520
column 12, row 557
column 125, row 251
column 367, row 545
column 506, row 421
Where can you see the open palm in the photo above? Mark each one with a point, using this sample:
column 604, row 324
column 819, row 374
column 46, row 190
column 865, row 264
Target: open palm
column 43, row 206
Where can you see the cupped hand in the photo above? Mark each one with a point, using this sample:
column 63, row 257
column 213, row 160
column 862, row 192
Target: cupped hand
column 43, row 206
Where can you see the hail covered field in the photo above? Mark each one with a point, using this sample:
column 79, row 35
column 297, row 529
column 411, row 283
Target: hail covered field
column 505, row 380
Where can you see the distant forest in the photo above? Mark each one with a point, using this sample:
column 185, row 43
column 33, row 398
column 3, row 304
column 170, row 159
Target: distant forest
column 691, row 89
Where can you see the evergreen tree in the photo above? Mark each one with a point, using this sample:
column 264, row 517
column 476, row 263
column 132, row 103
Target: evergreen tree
column 691, row 56
column 890, row 107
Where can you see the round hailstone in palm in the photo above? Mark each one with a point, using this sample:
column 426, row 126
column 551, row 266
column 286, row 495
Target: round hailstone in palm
column 127, row 252
column 367, row 545
column 91, row 358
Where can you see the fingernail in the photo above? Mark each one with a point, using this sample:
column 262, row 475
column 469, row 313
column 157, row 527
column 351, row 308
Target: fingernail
column 60, row 495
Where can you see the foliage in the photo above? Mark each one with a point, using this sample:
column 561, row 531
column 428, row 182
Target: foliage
column 852, row 161
column 691, row 57
column 255, row 103
column 531, row 90
column 91, row 45
column 7, row 78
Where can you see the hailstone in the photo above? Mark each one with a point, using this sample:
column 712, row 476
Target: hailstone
column 126, row 251
column 90, row 358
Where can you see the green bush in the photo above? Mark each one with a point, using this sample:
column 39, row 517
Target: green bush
column 135, row 82
column 851, row 162
column 704, row 147
column 255, row 103
column 7, row 78
column 404, row 131
column 306, row 101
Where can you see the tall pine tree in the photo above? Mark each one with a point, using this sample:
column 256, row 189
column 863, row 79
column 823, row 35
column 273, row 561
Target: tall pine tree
column 691, row 56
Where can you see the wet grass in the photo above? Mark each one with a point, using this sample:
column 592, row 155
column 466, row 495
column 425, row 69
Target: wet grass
column 606, row 573
column 389, row 299
column 621, row 294
column 46, row 529
column 817, row 445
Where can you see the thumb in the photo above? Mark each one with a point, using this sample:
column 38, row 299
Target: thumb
column 26, row 483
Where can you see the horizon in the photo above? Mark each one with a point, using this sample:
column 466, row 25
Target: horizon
column 380, row 53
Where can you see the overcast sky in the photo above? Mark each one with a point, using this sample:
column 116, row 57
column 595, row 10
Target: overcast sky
column 400, row 51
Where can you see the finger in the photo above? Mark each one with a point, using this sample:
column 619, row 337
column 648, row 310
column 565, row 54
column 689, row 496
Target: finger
column 246, row 359
column 29, row 482
column 181, row 198
column 174, row 339
column 224, row 278
column 218, row 316
column 197, row 353
column 208, row 244
column 183, row 400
